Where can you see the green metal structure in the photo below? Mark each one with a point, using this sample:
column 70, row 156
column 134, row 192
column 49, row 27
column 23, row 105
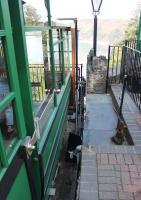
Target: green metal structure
column 139, row 34
column 29, row 156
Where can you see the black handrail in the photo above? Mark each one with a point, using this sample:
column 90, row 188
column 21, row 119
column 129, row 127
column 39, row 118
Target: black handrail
column 40, row 78
column 128, row 62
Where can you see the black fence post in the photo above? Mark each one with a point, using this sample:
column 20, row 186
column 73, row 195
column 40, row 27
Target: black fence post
column 81, row 71
column 123, row 64
column 122, row 96
column 107, row 77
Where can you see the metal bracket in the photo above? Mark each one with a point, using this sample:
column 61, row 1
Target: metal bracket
column 57, row 91
column 29, row 142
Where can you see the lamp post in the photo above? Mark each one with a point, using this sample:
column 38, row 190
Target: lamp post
column 96, row 5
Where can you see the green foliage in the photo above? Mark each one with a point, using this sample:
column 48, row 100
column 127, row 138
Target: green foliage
column 133, row 25
column 31, row 16
column 131, row 30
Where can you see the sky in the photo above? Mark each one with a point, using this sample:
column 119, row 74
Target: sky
column 110, row 9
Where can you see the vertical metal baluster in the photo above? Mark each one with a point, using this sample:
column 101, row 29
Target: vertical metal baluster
column 122, row 95
column 107, row 76
column 113, row 62
column 117, row 62
column 38, row 80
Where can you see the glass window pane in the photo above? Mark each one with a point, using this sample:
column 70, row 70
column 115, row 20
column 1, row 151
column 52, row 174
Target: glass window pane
column 39, row 65
column 36, row 64
column 8, row 127
column 4, row 86
column 70, row 47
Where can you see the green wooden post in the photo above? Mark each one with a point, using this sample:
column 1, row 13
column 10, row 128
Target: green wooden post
column 22, row 62
column 51, row 46
column 62, row 56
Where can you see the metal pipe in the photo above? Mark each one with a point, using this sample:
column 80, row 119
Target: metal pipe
column 81, row 71
column 62, row 58
column 95, row 35
column 76, row 37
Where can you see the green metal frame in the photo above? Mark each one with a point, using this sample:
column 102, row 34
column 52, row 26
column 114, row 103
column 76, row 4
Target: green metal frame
column 14, row 95
column 21, row 96
column 22, row 62
column 139, row 34
column 52, row 62
column 62, row 56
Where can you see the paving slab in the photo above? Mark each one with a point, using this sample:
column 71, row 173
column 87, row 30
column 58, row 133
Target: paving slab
column 115, row 176
column 101, row 120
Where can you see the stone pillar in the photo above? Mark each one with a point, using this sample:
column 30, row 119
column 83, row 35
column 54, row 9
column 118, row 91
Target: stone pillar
column 96, row 73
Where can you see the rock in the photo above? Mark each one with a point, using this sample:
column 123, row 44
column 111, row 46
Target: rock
column 96, row 73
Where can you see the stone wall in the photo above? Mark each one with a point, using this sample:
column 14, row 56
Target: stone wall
column 96, row 73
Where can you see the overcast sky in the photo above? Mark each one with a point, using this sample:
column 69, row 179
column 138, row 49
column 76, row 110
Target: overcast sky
column 82, row 8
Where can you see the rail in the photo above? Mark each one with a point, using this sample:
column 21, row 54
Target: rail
column 40, row 78
column 123, row 60
column 132, row 67
column 134, row 44
column 114, row 65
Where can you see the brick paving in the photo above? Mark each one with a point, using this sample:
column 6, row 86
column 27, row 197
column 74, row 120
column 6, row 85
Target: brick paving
column 110, row 176
column 110, row 172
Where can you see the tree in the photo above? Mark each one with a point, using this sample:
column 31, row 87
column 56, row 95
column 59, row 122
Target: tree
column 132, row 27
column 31, row 16
column 131, row 30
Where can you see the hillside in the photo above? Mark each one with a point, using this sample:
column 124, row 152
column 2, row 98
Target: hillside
column 109, row 30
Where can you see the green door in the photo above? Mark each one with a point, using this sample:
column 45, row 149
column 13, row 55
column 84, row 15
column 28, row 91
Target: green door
column 19, row 176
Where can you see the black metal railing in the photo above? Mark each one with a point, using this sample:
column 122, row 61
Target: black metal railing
column 127, row 62
column 37, row 78
column 134, row 44
column 40, row 78
column 114, row 65
column 132, row 68
column 131, row 43
column 80, row 94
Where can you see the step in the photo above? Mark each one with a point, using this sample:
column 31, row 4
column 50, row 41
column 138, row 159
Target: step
column 130, row 113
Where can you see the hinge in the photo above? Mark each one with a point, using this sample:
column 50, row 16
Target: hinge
column 57, row 91
column 30, row 142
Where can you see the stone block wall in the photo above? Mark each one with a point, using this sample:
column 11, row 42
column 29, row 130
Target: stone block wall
column 96, row 73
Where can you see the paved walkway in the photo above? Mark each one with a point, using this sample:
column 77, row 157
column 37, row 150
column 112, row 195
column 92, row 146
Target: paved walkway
column 108, row 172
column 101, row 120
column 131, row 114
column 110, row 176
